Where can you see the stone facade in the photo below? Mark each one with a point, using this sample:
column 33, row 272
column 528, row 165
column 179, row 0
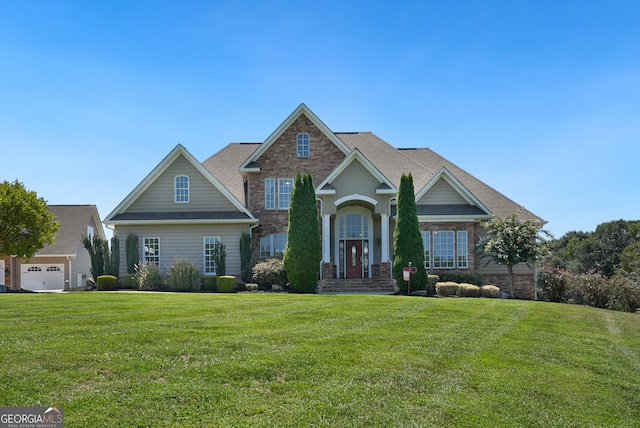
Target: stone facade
column 523, row 287
column 281, row 160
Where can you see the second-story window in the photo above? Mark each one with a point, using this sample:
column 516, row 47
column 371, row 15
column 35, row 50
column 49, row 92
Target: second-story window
column 303, row 145
column 182, row 189
column 285, row 186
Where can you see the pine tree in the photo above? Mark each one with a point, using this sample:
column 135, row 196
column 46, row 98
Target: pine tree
column 407, row 240
column 303, row 251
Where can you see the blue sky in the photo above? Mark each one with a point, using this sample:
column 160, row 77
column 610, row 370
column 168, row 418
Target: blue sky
column 539, row 99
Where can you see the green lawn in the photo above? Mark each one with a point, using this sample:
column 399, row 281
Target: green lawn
column 165, row 359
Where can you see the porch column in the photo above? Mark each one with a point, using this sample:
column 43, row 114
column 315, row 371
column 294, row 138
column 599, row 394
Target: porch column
column 326, row 238
column 384, row 231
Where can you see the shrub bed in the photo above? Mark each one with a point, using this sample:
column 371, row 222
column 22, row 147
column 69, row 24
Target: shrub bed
column 107, row 283
column 210, row 283
column 130, row 281
column 447, row 288
column 468, row 290
column 183, row 276
column 490, row 291
column 226, row 283
column 268, row 273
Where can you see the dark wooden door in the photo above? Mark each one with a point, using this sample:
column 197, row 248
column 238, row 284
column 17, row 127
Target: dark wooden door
column 354, row 259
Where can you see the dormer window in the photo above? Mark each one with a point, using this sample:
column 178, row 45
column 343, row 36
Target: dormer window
column 303, row 145
column 182, row 189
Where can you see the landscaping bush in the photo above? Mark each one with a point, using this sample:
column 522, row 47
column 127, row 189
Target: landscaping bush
column 625, row 294
column 107, row 282
column 447, row 288
column 553, row 284
column 226, row 283
column 183, row 276
column 468, row 290
column 432, row 280
column 251, row 287
column 269, row 272
column 489, row 291
column 461, row 278
column 210, row 283
column 148, row 276
column 130, row 280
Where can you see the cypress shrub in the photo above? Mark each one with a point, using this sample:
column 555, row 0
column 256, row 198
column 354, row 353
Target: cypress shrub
column 107, row 282
column 245, row 256
column 303, row 251
column 115, row 255
column 407, row 240
column 131, row 252
column 226, row 283
column 220, row 258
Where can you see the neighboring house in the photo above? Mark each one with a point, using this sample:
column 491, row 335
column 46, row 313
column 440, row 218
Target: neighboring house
column 183, row 207
column 65, row 264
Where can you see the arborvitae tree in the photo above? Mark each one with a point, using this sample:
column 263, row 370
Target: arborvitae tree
column 115, row 256
column 245, row 255
column 95, row 248
column 220, row 259
column 131, row 252
column 303, row 251
column 407, row 240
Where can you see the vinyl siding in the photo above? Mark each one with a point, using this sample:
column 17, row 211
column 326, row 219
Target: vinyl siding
column 185, row 241
column 160, row 195
column 442, row 194
column 81, row 265
column 355, row 179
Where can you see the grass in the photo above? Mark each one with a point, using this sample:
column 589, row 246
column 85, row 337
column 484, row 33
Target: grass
column 165, row 359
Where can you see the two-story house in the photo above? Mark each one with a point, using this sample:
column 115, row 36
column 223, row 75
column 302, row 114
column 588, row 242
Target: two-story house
column 184, row 207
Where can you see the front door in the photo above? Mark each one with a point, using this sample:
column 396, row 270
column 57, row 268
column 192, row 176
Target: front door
column 354, row 259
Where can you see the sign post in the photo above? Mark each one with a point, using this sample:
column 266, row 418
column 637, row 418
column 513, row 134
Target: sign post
column 406, row 275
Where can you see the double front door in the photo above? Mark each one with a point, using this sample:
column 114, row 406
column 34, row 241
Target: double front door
column 356, row 259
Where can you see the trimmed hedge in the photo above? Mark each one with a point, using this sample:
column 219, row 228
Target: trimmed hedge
column 210, row 283
column 130, row 281
column 462, row 278
column 107, row 283
column 468, row 290
column 489, row 291
column 432, row 280
column 226, row 283
column 447, row 288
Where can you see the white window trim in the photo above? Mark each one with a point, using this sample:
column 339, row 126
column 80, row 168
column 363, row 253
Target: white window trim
column 301, row 138
column 273, row 181
column 430, row 264
column 175, row 189
column 279, row 203
column 427, row 260
column 144, row 241
column 204, row 255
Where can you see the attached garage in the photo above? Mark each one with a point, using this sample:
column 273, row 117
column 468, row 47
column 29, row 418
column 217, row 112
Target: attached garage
column 42, row 277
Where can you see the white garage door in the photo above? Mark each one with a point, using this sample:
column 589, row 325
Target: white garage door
column 42, row 277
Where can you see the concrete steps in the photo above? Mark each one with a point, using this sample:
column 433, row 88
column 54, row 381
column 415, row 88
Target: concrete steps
column 357, row 286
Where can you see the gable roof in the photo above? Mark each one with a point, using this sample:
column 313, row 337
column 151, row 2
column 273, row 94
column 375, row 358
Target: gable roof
column 118, row 214
column 74, row 220
column 386, row 187
column 225, row 163
column 457, row 187
column 424, row 164
column 249, row 164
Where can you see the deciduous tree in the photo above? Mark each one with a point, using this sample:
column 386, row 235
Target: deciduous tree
column 26, row 224
column 511, row 241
